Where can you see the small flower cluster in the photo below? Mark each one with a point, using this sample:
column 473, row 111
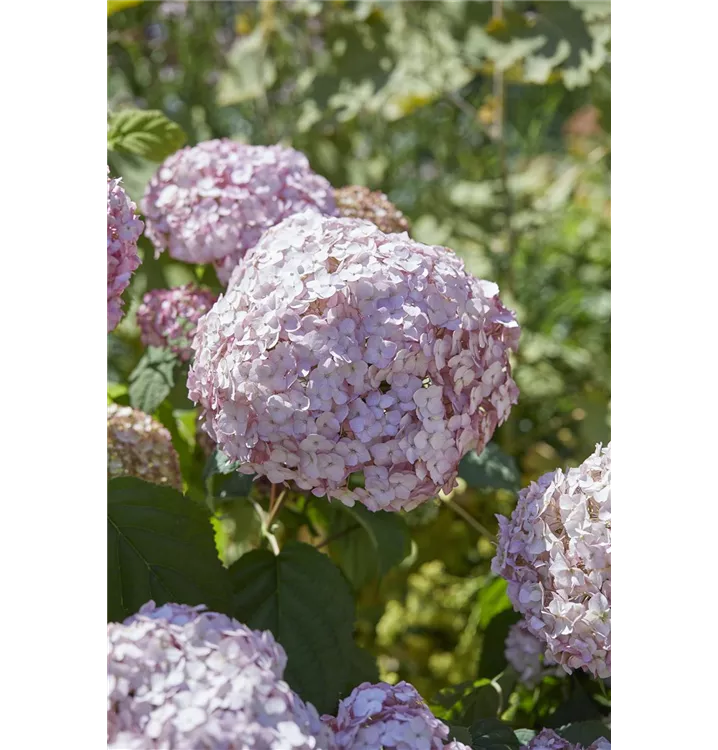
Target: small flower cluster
column 555, row 553
column 338, row 349
column 525, row 654
column 547, row 739
column 393, row 717
column 182, row 677
column 358, row 202
column 138, row 446
column 212, row 202
column 168, row 317
column 123, row 231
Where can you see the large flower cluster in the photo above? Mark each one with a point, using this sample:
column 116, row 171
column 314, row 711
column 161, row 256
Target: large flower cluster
column 392, row 717
column 358, row 202
column 138, row 446
column 547, row 739
column 338, row 350
column 525, row 654
column 212, row 202
column 168, row 317
column 182, row 677
column 555, row 553
column 123, row 231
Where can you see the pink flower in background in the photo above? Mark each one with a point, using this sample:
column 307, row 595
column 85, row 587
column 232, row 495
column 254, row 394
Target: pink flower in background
column 179, row 676
column 123, row 231
column 211, row 203
column 555, row 553
column 338, row 349
column 547, row 739
column 393, row 717
column 168, row 317
column 525, row 654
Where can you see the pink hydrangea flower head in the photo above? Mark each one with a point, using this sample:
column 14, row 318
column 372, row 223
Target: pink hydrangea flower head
column 210, row 203
column 123, row 231
column 179, row 676
column 340, row 350
column 140, row 446
column 525, row 653
column 547, row 739
column 168, row 317
column 392, row 717
column 555, row 553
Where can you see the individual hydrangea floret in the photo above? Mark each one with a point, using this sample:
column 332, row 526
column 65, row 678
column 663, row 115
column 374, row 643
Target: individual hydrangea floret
column 123, row 231
column 210, row 203
column 168, row 317
column 525, row 653
column 555, row 553
column 339, row 350
column 456, row 745
column 391, row 717
column 358, row 202
column 139, row 446
column 179, row 676
column 547, row 739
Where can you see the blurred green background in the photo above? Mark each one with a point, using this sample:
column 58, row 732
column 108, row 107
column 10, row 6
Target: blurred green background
column 488, row 125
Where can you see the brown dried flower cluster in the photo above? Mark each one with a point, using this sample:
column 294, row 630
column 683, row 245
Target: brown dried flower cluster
column 358, row 202
column 139, row 446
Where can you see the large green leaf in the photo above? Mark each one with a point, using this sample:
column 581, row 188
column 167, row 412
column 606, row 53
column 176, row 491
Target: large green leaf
column 367, row 544
column 152, row 380
column 578, row 707
column 492, row 600
column 492, row 469
column 493, row 734
column 362, row 668
column 493, row 660
column 305, row 601
column 585, row 732
column 146, row 133
column 160, row 545
column 469, row 702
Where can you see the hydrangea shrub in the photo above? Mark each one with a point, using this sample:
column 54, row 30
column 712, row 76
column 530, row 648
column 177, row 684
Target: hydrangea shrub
column 340, row 380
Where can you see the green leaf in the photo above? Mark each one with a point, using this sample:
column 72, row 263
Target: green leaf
column 371, row 543
column 222, row 481
column 305, row 601
column 491, row 470
column 492, row 600
column 493, row 734
column 146, row 133
column 579, row 706
column 524, row 736
column 585, row 732
column 493, row 660
column 469, row 702
column 362, row 668
column 460, row 734
column 160, row 545
column 114, row 5
column 152, row 380
column 219, row 463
